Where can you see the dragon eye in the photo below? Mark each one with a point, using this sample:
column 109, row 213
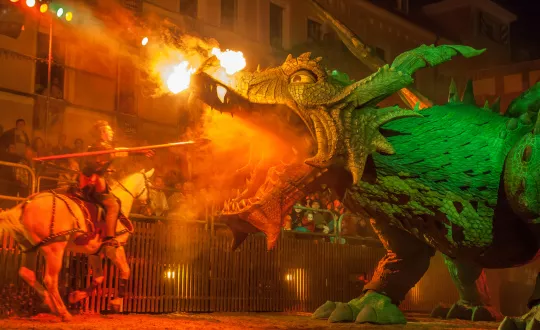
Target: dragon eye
column 303, row 77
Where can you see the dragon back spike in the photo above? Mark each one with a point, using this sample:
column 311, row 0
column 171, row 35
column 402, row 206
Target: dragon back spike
column 468, row 94
column 453, row 92
column 496, row 106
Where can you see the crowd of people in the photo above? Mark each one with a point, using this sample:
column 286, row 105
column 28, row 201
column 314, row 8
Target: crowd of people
column 323, row 212
column 174, row 196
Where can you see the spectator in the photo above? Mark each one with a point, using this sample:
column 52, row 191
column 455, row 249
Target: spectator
column 39, row 147
column 78, row 145
column 176, row 199
column 319, row 219
column 16, row 136
column 308, row 224
column 56, row 90
column 61, row 148
column 296, row 216
column 158, row 200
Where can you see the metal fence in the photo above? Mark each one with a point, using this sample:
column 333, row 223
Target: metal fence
column 189, row 267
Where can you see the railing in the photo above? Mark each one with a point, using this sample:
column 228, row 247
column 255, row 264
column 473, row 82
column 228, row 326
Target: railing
column 31, row 182
column 184, row 268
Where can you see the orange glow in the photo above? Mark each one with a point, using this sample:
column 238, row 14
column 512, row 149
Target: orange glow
column 14, row 1
column 30, row 3
column 43, row 8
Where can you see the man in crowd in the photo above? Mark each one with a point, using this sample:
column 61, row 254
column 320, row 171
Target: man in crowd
column 16, row 136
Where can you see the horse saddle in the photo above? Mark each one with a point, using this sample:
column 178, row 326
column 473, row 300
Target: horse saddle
column 94, row 216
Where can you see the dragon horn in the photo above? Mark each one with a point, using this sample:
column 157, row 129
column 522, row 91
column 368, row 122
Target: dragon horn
column 366, row 54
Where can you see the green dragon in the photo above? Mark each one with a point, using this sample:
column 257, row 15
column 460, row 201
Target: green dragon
column 456, row 178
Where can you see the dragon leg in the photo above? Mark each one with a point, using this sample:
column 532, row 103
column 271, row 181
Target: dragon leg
column 406, row 261
column 474, row 299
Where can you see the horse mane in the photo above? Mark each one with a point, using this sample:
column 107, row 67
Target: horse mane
column 114, row 184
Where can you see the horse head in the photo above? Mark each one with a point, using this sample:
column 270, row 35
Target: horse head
column 135, row 186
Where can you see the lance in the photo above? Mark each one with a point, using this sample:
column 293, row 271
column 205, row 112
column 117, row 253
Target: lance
column 120, row 150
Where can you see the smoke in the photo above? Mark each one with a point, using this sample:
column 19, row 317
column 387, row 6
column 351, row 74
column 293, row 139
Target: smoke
column 117, row 32
column 239, row 146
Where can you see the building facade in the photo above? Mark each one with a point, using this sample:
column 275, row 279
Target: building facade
column 93, row 80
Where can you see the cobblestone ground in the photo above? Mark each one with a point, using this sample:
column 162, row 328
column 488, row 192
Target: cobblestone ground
column 220, row 321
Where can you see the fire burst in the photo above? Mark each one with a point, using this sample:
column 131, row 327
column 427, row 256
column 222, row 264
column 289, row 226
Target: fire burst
column 230, row 60
column 180, row 77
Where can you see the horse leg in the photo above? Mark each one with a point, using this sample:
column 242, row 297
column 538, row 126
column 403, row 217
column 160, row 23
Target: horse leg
column 118, row 257
column 53, row 264
column 28, row 273
column 97, row 279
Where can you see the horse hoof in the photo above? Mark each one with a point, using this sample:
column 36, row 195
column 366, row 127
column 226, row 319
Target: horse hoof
column 66, row 317
column 116, row 305
column 76, row 296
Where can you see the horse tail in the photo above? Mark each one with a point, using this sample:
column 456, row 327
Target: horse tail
column 10, row 221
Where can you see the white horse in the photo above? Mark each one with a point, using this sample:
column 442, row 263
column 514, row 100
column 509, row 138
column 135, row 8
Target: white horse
column 51, row 223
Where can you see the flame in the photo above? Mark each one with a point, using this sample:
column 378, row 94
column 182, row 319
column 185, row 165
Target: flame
column 180, row 78
column 173, row 66
column 230, row 60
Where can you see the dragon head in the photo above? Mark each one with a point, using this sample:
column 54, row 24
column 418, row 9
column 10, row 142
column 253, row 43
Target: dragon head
column 340, row 114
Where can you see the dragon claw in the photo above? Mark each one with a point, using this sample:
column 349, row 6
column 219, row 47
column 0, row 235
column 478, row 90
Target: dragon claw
column 324, row 311
column 342, row 313
column 528, row 321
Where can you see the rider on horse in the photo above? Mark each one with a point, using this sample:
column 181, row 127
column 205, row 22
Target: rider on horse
column 93, row 182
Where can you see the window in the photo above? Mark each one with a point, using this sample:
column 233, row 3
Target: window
column 489, row 27
column 380, row 53
column 189, row 7
column 57, row 68
column 314, row 32
column 228, row 13
column 276, row 26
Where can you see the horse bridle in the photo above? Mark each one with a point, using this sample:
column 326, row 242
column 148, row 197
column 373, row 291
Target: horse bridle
column 145, row 189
